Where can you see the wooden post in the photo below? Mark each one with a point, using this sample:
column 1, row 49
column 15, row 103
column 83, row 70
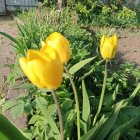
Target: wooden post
column 5, row 4
column 59, row 5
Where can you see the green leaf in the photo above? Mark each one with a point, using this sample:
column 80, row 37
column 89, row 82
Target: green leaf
column 92, row 69
column 127, row 113
column 125, row 127
column 101, row 129
column 18, row 109
column 28, row 109
column 48, row 117
column 80, row 64
column 135, row 92
column 111, row 97
column 7, row 105
column 52, row 109
column 115, row 136
column 115, row 93
column 35, row 118
column 85, row 108
column 92, row 132
column 2, row 101
column 104, row 130
column 67, row 104
column 69, row 117
column 44, row 135
column 43, row 100
column 9, row 37
column 137, row 89
column 8, row 131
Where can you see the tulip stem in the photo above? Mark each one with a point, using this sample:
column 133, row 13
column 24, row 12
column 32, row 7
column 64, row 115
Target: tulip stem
column 102, row 94
column 76, row 100
column 59, row 114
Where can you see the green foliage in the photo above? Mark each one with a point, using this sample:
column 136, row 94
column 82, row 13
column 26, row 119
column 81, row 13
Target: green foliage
column 107, row 13
column 85, row 110
column 8, row 131
column 121, row 102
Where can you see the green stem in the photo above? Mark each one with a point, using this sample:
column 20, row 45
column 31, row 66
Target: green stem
column 102, row 95
column 76, row 100
column 59, row 114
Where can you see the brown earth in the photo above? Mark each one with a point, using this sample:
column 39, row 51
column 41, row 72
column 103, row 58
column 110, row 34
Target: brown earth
column 129, row 46
column 129, row 49
column 8, row 26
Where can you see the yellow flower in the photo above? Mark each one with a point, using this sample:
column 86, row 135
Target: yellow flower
column 59, row 43
column 43, row 70
column 108, row 47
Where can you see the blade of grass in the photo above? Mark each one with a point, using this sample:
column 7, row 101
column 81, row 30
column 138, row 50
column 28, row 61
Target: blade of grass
column 9, row 37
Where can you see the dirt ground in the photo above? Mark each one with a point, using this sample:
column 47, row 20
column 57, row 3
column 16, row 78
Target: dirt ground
column 8, row 26
column 128, row 49
column 129, row 46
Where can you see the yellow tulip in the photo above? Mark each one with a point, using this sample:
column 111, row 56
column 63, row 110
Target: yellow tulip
column 43, row 70
column 108, row 47
column 59, row 43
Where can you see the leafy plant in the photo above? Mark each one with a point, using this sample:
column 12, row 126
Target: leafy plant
column 121, row 102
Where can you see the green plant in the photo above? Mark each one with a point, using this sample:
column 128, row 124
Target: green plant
column 120, row 107
column 9, row 131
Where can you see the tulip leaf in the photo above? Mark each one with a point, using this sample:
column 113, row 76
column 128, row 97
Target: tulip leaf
column 92, row 132
column 128, row 100
column 85, row 108
column 102, row 128
column 125, row 127
column 8, row 131
column 109, row 123
column 66, row 105
column 80, row 64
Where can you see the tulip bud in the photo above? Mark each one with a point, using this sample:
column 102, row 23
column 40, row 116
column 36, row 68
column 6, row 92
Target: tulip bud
column 108, row 47
column 60, row 44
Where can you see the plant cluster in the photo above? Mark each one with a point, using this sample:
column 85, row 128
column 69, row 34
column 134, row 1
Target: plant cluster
column 119, row 111
column 116, row 13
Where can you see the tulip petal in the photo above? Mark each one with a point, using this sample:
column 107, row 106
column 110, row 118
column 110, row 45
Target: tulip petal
column 34, row 54
column 43, row 70
column 25, row 67
column 60, row 44
column 49, row 73
column 54, row 74
column 108, row 51
column 43, row 44
column 102, row 40
column 62, row 50
column 115, row 40
column 53, row 36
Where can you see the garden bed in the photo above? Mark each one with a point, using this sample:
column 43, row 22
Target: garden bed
column 84, row 48
column 128, row 50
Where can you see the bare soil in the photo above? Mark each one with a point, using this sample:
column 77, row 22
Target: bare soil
column 128, row 50
column 8, row 25
column 129, row 46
